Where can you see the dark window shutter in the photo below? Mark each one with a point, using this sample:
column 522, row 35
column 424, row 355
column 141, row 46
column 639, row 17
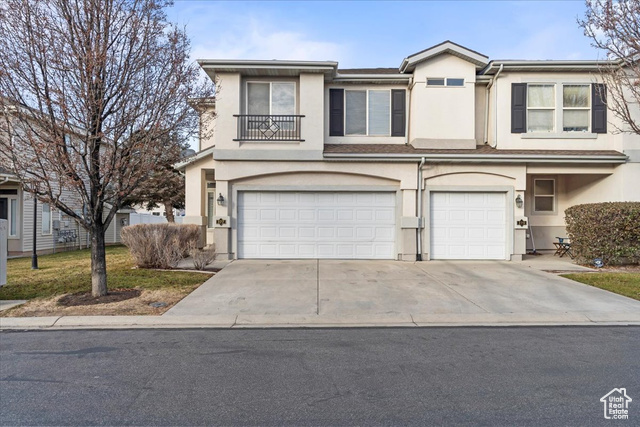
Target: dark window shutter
column 398, row 112
column 518, row 108
column 336, row 112
column 599, row 108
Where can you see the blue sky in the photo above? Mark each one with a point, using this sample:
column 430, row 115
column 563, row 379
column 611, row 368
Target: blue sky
column 381, row 33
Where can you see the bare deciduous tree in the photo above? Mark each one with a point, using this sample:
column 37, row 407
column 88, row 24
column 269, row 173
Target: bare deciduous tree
column 614, row 27
column 79, row 78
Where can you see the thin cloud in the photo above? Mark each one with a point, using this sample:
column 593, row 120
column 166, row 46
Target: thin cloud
column 258, row 40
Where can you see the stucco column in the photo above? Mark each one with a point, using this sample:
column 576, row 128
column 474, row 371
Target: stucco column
column 224, row 221
column 195, row 199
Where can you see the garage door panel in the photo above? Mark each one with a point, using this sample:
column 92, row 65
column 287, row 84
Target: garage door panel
column 316, row 225
column 468, row 225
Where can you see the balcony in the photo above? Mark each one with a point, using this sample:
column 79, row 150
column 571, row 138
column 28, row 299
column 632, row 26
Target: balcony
column 269, row 128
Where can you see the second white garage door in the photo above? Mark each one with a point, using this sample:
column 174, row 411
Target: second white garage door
column 468, row 225
column 344, row 225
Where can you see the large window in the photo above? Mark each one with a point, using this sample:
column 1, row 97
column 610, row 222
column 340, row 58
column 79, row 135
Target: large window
column 368, row 112
column 46, row 219
column 540, row 108
column 573, row 113
column 544, row 195
column 575, row 108
column 271, row 98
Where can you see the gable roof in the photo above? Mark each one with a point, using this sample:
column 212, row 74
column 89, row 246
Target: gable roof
column 446, row 47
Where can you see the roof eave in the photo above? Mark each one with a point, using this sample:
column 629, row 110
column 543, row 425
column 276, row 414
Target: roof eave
column 475, row 158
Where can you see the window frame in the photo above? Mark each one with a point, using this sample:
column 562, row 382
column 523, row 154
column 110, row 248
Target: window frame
column 445, row 82
column 12, row 220
column 554, row 109
column 210, row 190
column 588, row 108
column 554, row 196
column 44, row 232
column 558, row 115
column 270, row 83
column 366, row 113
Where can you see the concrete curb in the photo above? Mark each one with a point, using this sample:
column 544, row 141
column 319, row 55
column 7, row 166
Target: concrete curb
column 313, row 321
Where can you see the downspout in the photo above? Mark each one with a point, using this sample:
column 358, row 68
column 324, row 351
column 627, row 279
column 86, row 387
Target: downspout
column 406, row 124
column 486, row 109
column 5, row 179
column 419, row 209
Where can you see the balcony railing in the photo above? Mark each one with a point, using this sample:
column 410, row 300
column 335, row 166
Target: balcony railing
column 253, row 127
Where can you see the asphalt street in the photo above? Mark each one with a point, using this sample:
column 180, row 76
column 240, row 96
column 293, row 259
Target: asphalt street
column 410, row 376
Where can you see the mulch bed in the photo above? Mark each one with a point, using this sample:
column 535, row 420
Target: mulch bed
column 85, row 298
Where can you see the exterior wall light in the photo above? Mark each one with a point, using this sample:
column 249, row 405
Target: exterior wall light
column 220, row 199
column 519, row 202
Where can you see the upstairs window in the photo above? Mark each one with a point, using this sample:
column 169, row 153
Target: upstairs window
column 271, row 98
column 368, row 112
column 558, row 108
column 442, row 82
column 372, row 112
column 575, row 108
column 541, row 108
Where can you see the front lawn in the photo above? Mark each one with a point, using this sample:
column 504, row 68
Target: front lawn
column 70, row 272
column 627, row 284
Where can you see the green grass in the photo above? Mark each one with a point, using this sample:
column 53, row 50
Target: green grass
column 627, row 284
column 70, row 272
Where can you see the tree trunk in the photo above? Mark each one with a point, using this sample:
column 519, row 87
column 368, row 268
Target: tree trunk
column 98, row 263
column 168, row 208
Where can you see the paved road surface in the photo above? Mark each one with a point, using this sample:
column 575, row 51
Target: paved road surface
column 432, row 376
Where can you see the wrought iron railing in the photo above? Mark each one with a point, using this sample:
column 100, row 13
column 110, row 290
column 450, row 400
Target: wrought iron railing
column 254, row 127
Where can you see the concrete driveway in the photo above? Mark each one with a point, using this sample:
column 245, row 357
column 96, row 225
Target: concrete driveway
column 391, row 292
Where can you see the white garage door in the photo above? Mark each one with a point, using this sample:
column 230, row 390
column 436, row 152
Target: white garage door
column 468, row 225
column 341, row 225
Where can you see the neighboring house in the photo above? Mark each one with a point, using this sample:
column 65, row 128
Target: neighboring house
column 55, row 231
column 445, row 157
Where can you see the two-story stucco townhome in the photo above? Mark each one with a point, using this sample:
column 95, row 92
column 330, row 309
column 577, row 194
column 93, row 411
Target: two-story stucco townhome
column 445, row 157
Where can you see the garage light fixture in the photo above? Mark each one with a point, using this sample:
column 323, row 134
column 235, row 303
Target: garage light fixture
column 519, row 202
column 220, row 199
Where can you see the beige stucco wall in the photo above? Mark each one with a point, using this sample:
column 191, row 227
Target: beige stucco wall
column 557, row 140
column 443, row 112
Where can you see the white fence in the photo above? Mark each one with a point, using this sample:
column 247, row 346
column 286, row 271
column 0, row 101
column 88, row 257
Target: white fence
column 137, row 218
column 4, row 234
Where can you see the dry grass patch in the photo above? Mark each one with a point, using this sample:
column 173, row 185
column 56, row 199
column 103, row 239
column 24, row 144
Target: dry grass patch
column 69, row 273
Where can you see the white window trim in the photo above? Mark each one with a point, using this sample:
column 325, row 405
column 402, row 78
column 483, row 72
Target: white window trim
column 554, row 108
column 50, row 231
column 270, row 83
column 554, row 196
column 588, row 109
column 558, row 126
column 366, row 113
column 9, row 198
column 445, row 82
column 206, row 202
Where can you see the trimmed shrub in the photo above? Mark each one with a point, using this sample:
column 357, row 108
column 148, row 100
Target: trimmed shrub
column 610, row 231
column 160, row 245
column 203, row 257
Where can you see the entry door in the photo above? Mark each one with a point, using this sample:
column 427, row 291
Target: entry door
column 468, row 225
column 341, row 225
